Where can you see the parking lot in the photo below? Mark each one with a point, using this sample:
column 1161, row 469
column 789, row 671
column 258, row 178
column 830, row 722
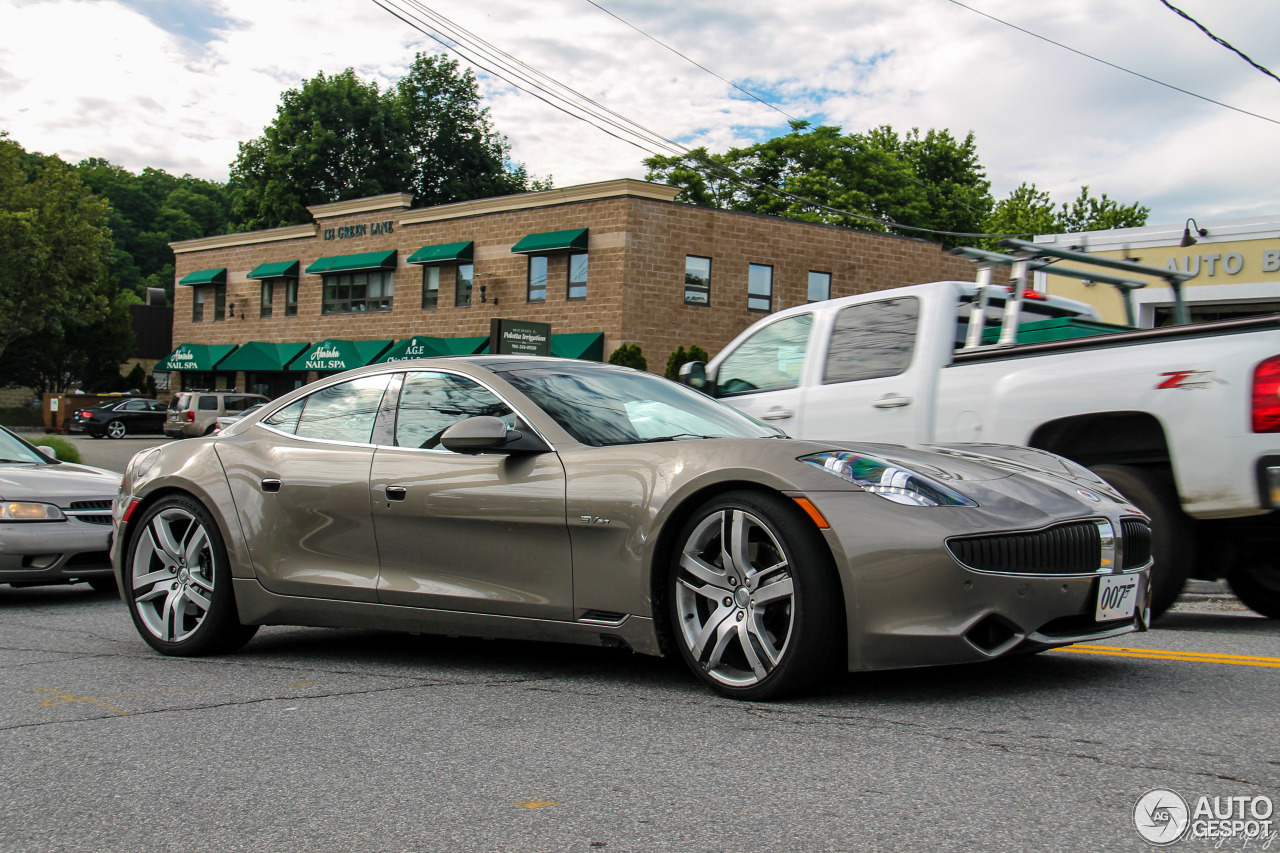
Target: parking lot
column 337, row 740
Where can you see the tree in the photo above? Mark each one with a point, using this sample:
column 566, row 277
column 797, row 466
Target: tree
column 679, row 358
column 629, row 355
column 339, row 138
column 54, row 248
column 1028, row 211
column 930, row 181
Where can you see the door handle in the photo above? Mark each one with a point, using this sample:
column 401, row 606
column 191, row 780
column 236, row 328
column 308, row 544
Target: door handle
column 777, row 415
column 271, row 485
column 890, row 401
column 396, row 493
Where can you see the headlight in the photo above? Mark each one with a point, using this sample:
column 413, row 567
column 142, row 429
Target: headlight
column 890, row 481
column 21, row 511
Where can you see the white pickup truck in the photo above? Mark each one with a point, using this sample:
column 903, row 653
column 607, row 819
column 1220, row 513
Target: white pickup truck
column 1184, row 420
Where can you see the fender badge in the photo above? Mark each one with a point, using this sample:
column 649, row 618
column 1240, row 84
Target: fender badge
column 1088, row 495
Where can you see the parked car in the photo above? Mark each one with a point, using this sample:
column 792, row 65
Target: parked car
column 193, row 413
column 55, row 518
column 228, row 420
column 118, row 418
column 549, row 499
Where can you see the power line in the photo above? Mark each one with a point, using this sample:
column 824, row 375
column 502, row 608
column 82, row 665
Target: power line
column 1111, row 64
column 1220, row 41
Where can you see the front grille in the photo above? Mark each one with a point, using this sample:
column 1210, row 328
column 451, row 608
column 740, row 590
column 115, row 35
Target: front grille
column 1136, row 546
column 93, row 519
column 1067, row 549
column 75, row 505
column 90, row 512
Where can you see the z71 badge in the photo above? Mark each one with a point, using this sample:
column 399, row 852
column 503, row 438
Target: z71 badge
column 1189, row 380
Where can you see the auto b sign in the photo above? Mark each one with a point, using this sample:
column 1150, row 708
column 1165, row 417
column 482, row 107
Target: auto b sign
column 519, row 337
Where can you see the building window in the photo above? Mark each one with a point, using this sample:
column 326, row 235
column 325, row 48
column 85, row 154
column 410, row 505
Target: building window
column 759, row 288
column 697, row 280
column 462, row 290
column 197, row 304
column 430, row 287
column 291, row 297
column 819, row 286
column 219, row 302
column 200, row 298
column 537, row 291
column 577, row 277
column 350, row 293
column 268, row 294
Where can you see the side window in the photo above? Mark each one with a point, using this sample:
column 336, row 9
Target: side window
column 208, row 404
column 343, row 412
column 769, row 360
column 286, row 420
column 156, row 407
column 432, row 402
column 134, row 406
column 873, row 340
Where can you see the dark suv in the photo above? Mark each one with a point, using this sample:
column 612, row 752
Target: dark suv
column 193, row 413
column 118, row 418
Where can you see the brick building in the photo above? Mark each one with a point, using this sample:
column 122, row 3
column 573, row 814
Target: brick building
column 604, row 264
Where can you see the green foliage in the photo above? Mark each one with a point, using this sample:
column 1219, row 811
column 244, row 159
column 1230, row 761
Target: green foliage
column 1028, row 211
column 22, row 416
column 338, row 137
column 930, row 181
column 679, row 358
column 629, row 355
column 66, row 450
column 54, row 248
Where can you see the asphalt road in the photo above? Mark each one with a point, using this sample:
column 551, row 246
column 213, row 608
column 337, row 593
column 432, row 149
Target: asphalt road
column 332, row 740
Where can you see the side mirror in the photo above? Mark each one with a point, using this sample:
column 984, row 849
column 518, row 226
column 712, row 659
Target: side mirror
column 694, row 374
column 485, row 432
column 51, row 452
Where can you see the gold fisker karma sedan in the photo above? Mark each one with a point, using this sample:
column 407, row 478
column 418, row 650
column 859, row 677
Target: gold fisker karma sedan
column 546, row 499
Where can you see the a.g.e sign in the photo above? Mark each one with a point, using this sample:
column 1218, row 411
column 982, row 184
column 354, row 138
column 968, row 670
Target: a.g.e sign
column 519, row 337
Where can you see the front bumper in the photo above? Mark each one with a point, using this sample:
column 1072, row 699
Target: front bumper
column 61, row 552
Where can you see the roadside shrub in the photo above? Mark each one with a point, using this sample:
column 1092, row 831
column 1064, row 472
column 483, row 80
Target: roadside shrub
column 629, row 355
column 679, row 358
column 66, row 450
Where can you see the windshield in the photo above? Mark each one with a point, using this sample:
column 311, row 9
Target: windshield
column 601, row 406
column 180, row 402
column 14, row 449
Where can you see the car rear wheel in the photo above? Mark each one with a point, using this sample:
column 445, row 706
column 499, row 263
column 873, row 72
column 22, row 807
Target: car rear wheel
column 116, row 429
column 754, row 600
column 1173, row 544
column 179, row 580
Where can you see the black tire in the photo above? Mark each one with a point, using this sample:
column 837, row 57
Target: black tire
column 1256, row 582
column 179, row 581
column 211, row 428
column 770, row 634
column 97, row 435
column 104, row 583
column 1173, row 541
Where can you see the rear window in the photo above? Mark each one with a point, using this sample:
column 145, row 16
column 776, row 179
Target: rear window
column 180, row 402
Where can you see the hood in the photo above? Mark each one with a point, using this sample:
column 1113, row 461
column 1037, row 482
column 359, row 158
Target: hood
column 52, row 483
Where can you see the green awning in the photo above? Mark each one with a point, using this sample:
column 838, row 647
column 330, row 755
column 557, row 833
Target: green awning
column 196, row 357
column 444, row 252
column 284, row 269
column 334, row 354
column 552, row 241
column 218, row 276
column 261, row 355
column 354, row 263
column 585, row 345
column 424, row 346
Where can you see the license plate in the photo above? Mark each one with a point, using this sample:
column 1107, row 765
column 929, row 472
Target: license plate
column 1117, row 596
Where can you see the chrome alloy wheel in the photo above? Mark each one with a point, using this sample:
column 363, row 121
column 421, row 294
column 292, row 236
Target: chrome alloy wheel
column 171, row 574
column 735, row 597
column 117, row 429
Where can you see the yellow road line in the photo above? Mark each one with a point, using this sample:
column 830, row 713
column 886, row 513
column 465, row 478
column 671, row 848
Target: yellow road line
column 1164, row 654
column 62, row 698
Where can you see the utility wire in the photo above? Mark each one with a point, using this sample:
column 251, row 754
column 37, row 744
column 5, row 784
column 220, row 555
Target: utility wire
column 751, row 95
column 1220, row 41
column 457, row 39
column 1111, row 64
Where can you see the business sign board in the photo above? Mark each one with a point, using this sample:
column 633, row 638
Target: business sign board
column 519, row 337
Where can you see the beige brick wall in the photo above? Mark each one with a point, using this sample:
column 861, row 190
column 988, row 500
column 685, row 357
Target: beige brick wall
column 635, row 290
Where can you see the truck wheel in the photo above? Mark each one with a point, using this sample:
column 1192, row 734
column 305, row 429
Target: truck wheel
column 1173, row 542
column 1257, row 583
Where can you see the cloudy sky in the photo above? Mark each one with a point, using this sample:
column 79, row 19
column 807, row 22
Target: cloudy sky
column 176, row 84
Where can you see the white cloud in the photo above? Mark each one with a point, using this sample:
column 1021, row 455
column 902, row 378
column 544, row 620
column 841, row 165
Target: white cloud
column 100, row 78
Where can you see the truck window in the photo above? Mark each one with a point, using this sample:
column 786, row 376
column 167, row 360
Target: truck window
column 769, row 360
column 872, row 340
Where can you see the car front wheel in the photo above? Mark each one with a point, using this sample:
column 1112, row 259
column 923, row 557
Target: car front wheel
column 754, row 599
column 179, row 582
